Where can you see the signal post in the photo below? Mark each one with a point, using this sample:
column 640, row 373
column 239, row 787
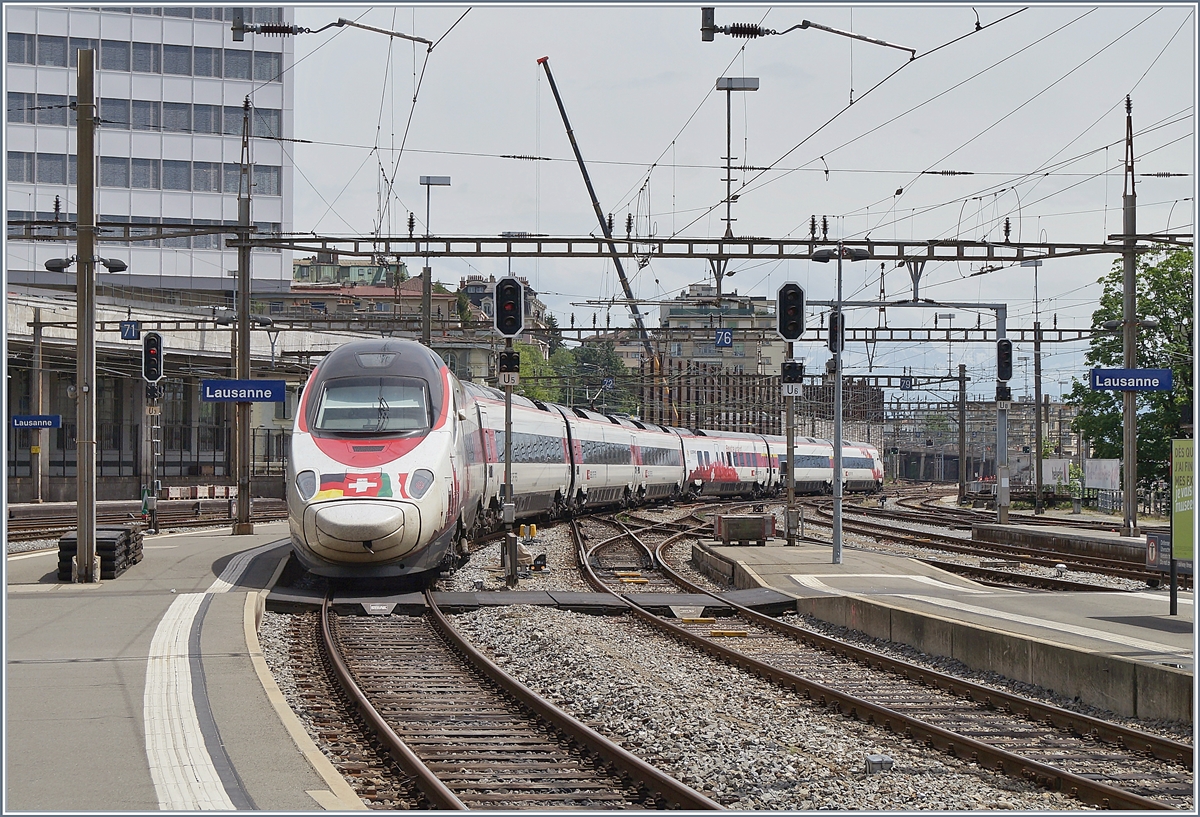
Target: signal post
column 789, row 316
column 509, row 320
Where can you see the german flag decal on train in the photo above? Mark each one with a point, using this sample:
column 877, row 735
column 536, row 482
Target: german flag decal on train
column 334, row 486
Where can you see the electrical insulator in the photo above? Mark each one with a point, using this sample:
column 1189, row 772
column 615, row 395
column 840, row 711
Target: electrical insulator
column 824, row 227
column 610, row 223
column 813, row 227
column 746, row 30
column 412, row 224
column 628, row 224
column 1007, row 229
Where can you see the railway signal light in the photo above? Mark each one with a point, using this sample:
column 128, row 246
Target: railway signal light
column 836, row 331
column 789, row 311
column 510, row 307
column 509, row 362
column 1004, row 359
column 152, row 357
column 792, row 371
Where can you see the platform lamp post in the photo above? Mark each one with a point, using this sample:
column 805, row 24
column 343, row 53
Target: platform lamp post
column 1129, row 327
column 426, row 272
column 85, row 395
column 836, row 334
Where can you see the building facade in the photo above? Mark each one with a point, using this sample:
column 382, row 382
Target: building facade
column 170, row 86
column 688, row 328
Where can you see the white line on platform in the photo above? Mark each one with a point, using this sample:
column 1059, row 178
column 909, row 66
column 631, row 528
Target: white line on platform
column 1136, row 643
column 815, row 583
column 1183, row 599
column 185, row 778
column 16, row 557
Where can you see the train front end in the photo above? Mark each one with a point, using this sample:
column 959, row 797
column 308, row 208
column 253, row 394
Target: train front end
column 374, row 487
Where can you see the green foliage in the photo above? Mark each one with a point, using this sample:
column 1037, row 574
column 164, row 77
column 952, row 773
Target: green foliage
column 538, row 380
column 553, row 333
column 463, row 305
column 1165, row 291
column 576, row 376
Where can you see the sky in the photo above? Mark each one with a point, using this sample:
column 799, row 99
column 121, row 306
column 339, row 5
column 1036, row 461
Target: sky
column 1025, row 104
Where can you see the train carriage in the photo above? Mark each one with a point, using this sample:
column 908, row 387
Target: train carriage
column 862, row 467
column 658, row 458
column 726, row 463
column 602, row 452
column 541, row 464
column 377, row 477
column 395, row 462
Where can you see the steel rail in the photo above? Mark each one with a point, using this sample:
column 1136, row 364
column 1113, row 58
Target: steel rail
column 438, row 793
column 629, row 764
column 1162, row 748
column 960, row 746
column 1038, row 556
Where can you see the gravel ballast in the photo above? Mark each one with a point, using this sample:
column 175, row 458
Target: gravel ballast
column 738, row 739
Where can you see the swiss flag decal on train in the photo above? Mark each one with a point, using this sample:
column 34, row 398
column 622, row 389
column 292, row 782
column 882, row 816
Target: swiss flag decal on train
column 354, row 485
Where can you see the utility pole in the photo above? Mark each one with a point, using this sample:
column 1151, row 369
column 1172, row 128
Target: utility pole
column 790, row 516
column 35, row 461
column 962, row 432
column 85, row 321
column 1037, row 417
column 1002, row 491
column 243, row 525
column 1129, row 330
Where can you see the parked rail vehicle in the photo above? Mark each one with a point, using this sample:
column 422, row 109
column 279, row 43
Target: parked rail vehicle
column 396, row 464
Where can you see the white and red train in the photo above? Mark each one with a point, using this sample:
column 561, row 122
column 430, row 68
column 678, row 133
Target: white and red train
column 395, row 463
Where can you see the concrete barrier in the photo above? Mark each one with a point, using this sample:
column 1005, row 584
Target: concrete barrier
column 1129, row 688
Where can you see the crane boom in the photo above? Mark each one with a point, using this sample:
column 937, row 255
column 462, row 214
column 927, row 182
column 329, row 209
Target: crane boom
column 612, row 247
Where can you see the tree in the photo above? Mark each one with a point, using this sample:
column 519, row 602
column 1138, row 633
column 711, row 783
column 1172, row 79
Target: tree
column 1165, row 292
column 538, row 377
column 553, row 333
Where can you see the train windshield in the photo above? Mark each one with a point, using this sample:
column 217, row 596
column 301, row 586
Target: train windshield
column 373, row 405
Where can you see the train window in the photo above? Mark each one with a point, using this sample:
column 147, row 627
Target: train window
column 372, row 405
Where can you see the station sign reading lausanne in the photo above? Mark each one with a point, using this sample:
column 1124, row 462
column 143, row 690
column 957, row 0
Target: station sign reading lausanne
column 1131, row 380
column 242, row 391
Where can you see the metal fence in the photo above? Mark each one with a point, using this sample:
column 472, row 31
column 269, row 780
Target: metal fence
column 117, row 445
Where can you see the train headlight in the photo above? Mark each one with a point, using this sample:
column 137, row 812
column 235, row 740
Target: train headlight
column 419, row 484
column 306, row 484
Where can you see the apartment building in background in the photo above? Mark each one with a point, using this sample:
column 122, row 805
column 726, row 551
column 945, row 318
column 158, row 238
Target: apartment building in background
column 170, row 86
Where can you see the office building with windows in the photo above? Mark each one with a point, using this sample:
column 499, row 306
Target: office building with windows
column 170, row 86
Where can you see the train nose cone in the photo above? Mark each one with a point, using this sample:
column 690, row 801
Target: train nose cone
column 361, row 530
column 350, row 523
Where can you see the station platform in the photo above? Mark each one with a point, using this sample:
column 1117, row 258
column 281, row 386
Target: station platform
column 149, row 692
column 1120, row 651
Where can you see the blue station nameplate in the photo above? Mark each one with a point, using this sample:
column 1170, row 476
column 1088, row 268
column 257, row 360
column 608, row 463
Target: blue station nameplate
column 242, row 391
column 37, row 421
column 1131, row 380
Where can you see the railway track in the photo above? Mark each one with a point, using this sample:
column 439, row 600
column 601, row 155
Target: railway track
column 1097, row 762
column 53, row 526
column 469, row 736
column 923, row 506
column 960, row 544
